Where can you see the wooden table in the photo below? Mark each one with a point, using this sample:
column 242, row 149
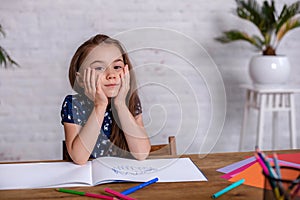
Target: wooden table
column 158, row 191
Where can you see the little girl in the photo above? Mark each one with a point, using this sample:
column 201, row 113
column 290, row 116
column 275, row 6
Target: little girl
column 104, row 118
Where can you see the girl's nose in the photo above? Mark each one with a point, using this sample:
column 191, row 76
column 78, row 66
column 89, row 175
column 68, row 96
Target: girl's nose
column 111, row 74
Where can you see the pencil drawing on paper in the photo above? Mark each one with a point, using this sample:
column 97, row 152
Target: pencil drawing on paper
column 132, row 170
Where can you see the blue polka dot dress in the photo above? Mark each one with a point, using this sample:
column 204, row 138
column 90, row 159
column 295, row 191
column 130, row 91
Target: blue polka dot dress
column 77, row 108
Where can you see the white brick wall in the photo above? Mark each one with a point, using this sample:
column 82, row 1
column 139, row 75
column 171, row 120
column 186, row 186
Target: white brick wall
column 43, row 35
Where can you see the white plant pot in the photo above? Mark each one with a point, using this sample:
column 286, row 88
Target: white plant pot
column 269, row 70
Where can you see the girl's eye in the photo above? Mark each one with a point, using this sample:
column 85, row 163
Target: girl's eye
column 100, row 69
column 118, row 67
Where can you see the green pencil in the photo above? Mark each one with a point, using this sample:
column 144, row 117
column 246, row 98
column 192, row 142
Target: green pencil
column 98, row 196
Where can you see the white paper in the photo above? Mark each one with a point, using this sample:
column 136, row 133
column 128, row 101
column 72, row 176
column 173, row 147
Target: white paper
column 40, row 175
column 167, row 170
column 98, row 171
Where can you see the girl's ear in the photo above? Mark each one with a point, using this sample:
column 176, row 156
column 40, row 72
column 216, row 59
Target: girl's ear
column 79, row 80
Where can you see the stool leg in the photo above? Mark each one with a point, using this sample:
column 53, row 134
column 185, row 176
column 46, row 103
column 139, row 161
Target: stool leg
column 292, row 122
column 245, row 119
column 244, row 126
column 260, row 125
column 275, row 129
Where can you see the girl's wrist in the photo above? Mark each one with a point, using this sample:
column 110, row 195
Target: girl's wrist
column 120, row 106
column 100, row 108
column 99, row 113
column 100, row 104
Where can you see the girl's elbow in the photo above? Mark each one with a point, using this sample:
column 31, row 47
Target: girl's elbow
column 79, row 161
column 142, row 155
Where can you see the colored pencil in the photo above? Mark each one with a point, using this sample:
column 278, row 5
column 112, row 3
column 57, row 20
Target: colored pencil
column 98, row 196
column 118, row 194
column 140, row 186
column 272, row 174
column 262, row 156
column 277, row 167
column 276, row 187
column 230, row 187
column 262, row 164
column 295, row 193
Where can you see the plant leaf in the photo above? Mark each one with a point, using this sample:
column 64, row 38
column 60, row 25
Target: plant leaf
column 258, row 41
column 2, row 31
column 250, row 11
column 263, row 17
column 287, row 26
column 234, row 35
column 287, row 13
column 5, row 58
column 268, row 14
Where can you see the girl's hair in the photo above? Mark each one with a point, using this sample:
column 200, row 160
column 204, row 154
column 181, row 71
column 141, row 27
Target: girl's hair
column 117, row 136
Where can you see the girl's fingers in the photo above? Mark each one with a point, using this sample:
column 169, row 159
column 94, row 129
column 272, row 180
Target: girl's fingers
column 93, row 80
column 125, row 80
column 127, row 76
column 88, row 78
column 122, row 80
column 84, row 79
column 126, row 69
column 98, row 84
column 100, row 96
column 97, row 80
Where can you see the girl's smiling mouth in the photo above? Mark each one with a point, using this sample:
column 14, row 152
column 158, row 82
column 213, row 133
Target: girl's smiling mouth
column 111, row 85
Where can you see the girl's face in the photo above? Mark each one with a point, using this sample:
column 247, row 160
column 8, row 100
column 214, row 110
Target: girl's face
column 108, row 63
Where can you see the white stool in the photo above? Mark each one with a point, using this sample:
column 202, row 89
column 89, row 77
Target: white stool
column 274, row 99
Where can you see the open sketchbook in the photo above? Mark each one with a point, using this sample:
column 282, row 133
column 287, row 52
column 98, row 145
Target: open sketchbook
column 98, row 171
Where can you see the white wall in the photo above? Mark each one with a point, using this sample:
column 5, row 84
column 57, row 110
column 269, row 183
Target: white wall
column 43, row 35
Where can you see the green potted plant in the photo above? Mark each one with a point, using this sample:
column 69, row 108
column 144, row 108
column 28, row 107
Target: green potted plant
column 5, row 59
column 272, row 27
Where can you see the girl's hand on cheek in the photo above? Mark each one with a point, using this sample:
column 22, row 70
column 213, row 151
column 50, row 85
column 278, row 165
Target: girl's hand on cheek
column 92, row 87
column 89, row 83
column 100, row 97
column 124, row 88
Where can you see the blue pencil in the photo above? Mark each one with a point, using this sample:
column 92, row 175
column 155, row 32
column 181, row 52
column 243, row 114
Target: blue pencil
column 277, row 167
column 142, row 185
column 230, row 187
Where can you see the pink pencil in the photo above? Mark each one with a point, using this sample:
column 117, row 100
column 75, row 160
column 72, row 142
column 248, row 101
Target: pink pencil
column 99, row 196
column 118, row 194
column 262, row 164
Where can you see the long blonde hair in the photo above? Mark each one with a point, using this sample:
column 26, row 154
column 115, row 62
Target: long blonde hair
column 117, row 135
